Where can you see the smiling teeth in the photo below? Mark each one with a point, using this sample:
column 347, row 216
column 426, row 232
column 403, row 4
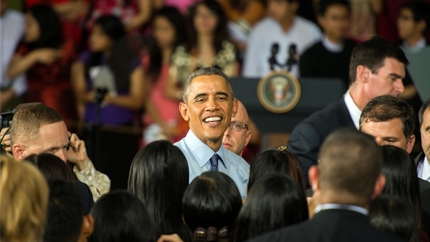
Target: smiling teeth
column 212, row 119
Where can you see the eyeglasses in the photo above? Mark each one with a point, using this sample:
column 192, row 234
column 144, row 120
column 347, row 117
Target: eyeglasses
column 238, row 126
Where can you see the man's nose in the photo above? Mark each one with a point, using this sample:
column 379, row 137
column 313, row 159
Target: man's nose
column 62, row 155
column 400, row 87
column 212, row 104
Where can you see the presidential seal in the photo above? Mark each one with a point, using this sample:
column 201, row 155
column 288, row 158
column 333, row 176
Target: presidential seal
column 279, row 91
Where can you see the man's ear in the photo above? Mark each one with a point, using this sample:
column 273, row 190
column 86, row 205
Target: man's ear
column 18, row 151
column 248, row 137
column 314, row 178
column 410, row 144
column 235, row 107
column 379, row 185
column 87, row 228
column 362, row 74
column 183, row 109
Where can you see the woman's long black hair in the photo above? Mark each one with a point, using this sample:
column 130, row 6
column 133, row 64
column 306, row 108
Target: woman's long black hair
column 221, row 32
column 176, row 19
column 158, row 177
column 275, row 201
column 51, row 34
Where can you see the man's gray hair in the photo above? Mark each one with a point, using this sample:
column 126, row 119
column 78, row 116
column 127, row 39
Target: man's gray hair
column 207, row 71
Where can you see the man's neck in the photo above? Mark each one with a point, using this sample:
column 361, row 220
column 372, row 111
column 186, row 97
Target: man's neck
column 357, row 96
column 287, row 23
column 413, row 40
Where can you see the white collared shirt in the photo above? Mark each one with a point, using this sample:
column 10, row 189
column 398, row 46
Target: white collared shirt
column 330, row 46
column 416, row 47
column 341, row 206
column 353, row 110
column 423, row 169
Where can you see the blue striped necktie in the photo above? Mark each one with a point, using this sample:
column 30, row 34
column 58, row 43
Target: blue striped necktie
column 214, row 162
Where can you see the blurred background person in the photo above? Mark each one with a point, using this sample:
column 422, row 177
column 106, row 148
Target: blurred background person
column 110, row 52
column 210, row 207
column 395, row 216
column 275, row 201
column 333, row 17
column 162, row 113
column 46, row 60
column 121, row 216
column 24, row 197
column 158, row 177
column 12, row 25
column 208, row 46
column 282, row 27
column 413, row 23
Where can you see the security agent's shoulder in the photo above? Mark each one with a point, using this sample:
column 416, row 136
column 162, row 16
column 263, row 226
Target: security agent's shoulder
column 325, row 117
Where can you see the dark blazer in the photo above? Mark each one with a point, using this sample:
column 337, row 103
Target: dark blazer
column 333, row 225
column 307, row 136
column 425, row 197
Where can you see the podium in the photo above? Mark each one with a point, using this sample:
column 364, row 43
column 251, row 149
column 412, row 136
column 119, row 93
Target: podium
column 316, row 93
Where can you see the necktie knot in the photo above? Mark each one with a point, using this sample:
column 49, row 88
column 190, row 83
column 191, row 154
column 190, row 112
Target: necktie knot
column 214, row 162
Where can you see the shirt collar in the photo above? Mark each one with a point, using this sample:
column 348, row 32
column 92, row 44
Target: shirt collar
column 353, row 110
column 330, row 46
column 328, row 206
column 426, row 169
column 200, row 151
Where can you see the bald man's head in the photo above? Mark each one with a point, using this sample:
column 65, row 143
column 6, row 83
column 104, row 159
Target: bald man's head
column 237, row 135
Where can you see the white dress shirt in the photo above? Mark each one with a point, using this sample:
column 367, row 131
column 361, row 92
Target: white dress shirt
column 198, row 155
column 423, row 169
column 353, row 110
column 416, row 47
column 332, row 47
column 328, row 206
column 268, row 31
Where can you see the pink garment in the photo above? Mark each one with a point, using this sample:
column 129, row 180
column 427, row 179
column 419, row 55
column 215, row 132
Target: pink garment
column 114, row 7
column 182, row 5
column 166, row 107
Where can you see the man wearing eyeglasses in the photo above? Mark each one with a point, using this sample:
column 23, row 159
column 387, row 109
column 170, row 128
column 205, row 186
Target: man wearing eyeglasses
column 237, row 135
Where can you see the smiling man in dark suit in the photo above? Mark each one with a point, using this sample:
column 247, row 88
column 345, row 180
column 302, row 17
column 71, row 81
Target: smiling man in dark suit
column 348, row 176
column 377, row 68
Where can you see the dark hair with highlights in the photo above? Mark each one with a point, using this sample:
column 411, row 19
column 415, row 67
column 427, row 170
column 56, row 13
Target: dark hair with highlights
column 372, row 54
column 275, row 201
column 121, row 216
column 273, row 160
column 385, row 108
column 393, row 215
column 51, row 166
column 211, row 199
column 159, row 176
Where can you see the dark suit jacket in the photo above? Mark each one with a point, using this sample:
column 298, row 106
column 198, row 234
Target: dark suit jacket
column 333, row 225
column 425, row 197
column 307, row 137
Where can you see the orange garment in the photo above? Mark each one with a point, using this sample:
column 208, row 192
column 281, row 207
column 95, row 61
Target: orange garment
column 253, row 12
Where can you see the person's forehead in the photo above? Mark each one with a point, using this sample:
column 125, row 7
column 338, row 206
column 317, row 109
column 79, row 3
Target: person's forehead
column 426, row 115
column 383, row 128
column 241, row 114
column 212, row 83
column 392, row 65
column 53, row 134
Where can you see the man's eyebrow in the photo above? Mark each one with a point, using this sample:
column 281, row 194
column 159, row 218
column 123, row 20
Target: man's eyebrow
column 200, row 95
column 397, row 76
column 390, row 137
column 222, row 93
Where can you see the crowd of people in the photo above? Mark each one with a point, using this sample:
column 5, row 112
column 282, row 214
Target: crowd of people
column 82, row 75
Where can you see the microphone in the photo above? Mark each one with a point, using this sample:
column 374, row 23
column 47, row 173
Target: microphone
column 292, row 56
column 272, row 59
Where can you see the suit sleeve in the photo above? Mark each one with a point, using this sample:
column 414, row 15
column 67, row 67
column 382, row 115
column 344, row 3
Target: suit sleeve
column 305, row 143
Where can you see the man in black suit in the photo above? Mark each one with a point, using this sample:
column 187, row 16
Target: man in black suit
column 348, row 176
column 423, row 159
column 377, row 68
